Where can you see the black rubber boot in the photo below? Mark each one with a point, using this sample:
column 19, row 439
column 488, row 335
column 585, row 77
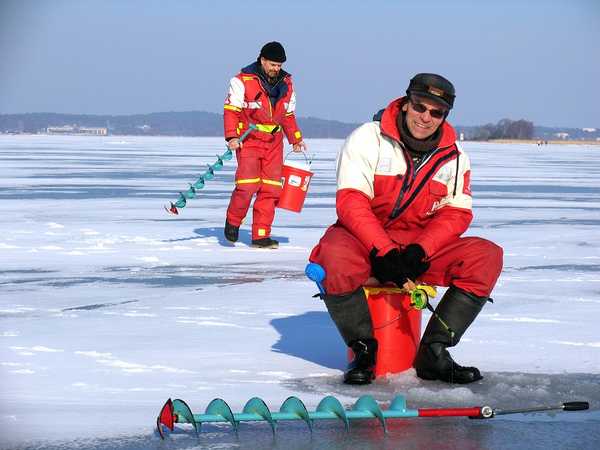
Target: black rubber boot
column 265, row 243
column 360, row 370
column 231, row 232
column 351, row 316
column 457, row 309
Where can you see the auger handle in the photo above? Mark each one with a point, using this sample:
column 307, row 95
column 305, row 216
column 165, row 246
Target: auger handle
column 575, row 406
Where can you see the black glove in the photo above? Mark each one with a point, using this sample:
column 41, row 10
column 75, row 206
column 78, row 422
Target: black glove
column 399, row 267
column 413, row 259
column 388, row 267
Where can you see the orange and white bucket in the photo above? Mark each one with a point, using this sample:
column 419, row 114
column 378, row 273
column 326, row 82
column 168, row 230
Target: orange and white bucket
column 295, row 178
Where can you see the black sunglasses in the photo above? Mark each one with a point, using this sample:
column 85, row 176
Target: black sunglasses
column 421, row 108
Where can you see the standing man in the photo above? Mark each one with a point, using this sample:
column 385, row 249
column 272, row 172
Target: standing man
column 403, row 201
column 262, row 94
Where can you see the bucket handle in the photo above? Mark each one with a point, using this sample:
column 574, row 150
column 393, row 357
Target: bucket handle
column 304, row 153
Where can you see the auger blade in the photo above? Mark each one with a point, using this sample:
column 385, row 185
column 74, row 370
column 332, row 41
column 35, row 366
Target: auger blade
column 294, row 405
column 219, row 407
column 166, row 417
column 218, row 165
column 199, row 184
column 181, row 201
column 228, row 155
column 332, row 405
column 191, row 192
column 182, row 410
column 257, row 406
column 366, row 403
column 210, row 173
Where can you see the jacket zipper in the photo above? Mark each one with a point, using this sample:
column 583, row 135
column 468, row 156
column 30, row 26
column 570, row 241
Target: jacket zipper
column 412, row 174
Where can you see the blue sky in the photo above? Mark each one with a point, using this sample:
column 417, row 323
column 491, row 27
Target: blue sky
column 537, row 60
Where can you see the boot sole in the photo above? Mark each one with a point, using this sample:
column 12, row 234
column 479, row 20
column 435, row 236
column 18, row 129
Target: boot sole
column 266, row 247
column 434, row 377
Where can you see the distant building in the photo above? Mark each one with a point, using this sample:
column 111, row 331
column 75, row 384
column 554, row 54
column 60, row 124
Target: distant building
column 589, row 130
column 561, row 135
column 74, row 129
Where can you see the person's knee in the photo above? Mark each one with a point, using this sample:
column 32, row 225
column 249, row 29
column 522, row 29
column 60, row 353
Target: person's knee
column 494, row 255
column 248, row 189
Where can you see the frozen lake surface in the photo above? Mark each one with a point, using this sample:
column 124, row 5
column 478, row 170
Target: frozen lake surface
column 109, row 306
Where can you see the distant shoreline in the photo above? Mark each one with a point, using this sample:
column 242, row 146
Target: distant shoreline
column 491, row 141
column 536, row 141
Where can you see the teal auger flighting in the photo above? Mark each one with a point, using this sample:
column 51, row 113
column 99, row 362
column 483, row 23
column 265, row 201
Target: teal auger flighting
column 192, row 191
column 256, row 410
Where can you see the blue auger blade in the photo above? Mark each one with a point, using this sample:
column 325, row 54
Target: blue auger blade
column 332, row 405
column 210, row 173
column 399, row 405
column 219, row 407
column 218, row 165
column 182, row 409
column 228, row 155
column 191, row 192
column 199, row 184
column 293, row 405
column 180, row 203
column 257, row 406
column 368, row 404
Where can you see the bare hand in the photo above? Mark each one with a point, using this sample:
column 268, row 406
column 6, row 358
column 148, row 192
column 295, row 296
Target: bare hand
column 299, row 147
column 234, row 144
column 409, row 285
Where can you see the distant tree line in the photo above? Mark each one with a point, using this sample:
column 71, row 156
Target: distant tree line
column 201, row 123
column 191, row 123
column 504, row 129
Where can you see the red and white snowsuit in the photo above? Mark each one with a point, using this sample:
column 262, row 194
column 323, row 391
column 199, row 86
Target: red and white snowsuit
column 383, row 201
column 261, row 157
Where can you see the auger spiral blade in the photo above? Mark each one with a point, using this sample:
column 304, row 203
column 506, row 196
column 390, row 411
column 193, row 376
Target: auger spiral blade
column 329, row 408
column 208, row 175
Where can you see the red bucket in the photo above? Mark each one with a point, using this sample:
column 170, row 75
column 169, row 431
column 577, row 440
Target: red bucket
column 397, row 328
column 295, row 177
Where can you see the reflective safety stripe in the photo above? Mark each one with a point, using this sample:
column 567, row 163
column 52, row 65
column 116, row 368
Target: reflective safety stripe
column 289, row 114
column 247, row 181
column 232, row 108
column 297, row 135
column 268, row 128
column 272, row 182
column 244, row 78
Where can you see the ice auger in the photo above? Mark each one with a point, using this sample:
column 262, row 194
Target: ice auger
column 206, row 176
column 255, row 410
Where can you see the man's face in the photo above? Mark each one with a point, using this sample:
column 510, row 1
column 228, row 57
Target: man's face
column 423, row 116
column 271, row 68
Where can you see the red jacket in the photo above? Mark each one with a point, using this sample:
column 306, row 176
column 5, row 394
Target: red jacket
column 380, row 189
column 248, row 102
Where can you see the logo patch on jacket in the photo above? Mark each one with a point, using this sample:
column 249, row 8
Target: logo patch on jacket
column 384, row 165
column 467, row 183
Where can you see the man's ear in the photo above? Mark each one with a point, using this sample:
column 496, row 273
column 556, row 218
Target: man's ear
column 405, row 107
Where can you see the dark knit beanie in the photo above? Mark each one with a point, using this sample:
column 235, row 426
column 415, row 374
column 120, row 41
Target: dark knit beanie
column 273, row 51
